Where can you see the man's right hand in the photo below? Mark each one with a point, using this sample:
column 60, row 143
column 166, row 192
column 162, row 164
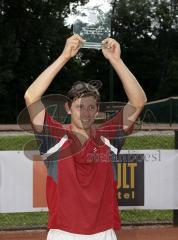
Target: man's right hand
column 73, row 44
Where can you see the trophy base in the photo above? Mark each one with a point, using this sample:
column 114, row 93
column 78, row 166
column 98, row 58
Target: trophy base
column 92, row 45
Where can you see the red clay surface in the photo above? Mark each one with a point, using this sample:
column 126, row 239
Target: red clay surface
column 127, row 233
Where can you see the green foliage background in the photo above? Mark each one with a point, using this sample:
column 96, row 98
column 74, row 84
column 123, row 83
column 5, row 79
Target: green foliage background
column 33, row 35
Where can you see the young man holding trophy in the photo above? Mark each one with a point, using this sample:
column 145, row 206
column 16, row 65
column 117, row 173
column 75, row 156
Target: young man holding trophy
column 81, row 187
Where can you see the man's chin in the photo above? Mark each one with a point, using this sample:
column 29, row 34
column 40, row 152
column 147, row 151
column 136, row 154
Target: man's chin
column 86, row 126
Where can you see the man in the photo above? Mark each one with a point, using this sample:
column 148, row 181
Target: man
column 81, row 187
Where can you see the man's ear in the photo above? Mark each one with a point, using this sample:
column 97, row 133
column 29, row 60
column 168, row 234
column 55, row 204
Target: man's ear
column 97, row 111
column 67, row 108
column 96, row 114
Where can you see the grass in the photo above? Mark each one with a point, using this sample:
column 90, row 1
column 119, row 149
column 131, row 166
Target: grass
column 128, row 216
column 16, row 142
column 23, row 219
column 139, row 142
column 12, row 220
column 146, row 216
column 149, row 142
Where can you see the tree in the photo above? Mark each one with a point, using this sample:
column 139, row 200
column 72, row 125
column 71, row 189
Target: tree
column 34, row 35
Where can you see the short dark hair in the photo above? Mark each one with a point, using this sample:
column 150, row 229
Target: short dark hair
column 82, row 89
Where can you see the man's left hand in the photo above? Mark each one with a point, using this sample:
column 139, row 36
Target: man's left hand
column 111, row 49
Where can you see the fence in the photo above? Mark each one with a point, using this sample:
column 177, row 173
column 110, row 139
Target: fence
column 161, row 111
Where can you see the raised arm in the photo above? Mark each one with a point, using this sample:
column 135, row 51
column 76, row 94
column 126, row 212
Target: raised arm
column 136, row 95
column 34, row 93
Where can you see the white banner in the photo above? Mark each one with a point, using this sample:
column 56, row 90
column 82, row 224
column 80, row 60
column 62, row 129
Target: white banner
column 16, row 182
column 22, row 181
column 160, row 179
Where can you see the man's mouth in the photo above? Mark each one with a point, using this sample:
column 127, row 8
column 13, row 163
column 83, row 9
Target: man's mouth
column 85, row 120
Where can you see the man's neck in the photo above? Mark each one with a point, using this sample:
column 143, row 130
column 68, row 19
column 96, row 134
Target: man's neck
column 82, row 134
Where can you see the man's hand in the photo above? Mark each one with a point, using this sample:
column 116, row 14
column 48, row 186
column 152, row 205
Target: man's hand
column 73, row 44
column 111, row 49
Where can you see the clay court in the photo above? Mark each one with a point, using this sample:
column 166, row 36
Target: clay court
column 127, row 233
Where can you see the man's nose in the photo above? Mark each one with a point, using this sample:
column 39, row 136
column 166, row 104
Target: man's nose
column 86, row 112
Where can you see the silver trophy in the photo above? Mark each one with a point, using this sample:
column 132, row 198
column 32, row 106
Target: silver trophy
column 94, row 25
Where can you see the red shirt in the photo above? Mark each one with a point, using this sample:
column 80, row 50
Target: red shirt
column 81, row 188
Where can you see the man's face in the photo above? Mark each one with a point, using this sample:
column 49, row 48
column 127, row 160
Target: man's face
column 83, row 112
